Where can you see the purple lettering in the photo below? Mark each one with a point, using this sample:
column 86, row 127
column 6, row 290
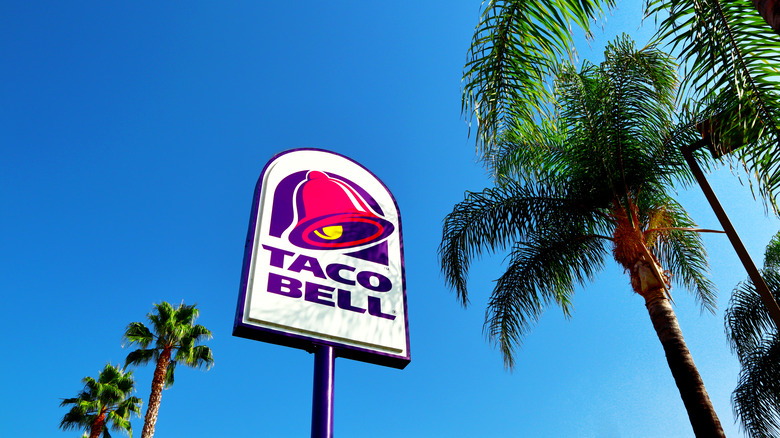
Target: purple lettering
column 334, row 272
column 279, row 284
column 375, row 308
column 277, row 256
column 319, row 294
column 344, row 301
column 383, row 283
column 306, row 263
column 324, row 295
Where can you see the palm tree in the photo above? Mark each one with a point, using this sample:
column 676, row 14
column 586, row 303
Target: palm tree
column 513, row 52
column 570, row 189
column 102, row 402
column 730, row 57
column 174, row 339
column 754, row 338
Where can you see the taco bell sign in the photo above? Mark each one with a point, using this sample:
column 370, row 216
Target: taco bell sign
column 323, row 262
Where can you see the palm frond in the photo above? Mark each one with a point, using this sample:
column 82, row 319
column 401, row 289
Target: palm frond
column 748, row 322
column 491, row 220
column 756, row 400
column 196, row 357
column 618, row 116
column 682, row 253
column 141, row 356
column 185, row 315
column 137, row 333
column 512, row 54
column 524, row 152
column 540, row 272
column 75, row 418
column 162, row 319
column 731, row 61
column 169, row 373
column 198, row 333
column 119, row 422
column 772, row 254
column 753, row 336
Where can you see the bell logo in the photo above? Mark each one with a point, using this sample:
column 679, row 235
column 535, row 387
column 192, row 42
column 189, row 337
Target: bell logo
column 333, row 215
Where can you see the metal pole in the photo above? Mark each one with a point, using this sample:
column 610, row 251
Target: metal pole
column 747, row 262
column 322, row 397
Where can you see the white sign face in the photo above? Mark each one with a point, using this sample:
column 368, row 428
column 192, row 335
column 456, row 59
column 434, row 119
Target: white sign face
column 324, row 260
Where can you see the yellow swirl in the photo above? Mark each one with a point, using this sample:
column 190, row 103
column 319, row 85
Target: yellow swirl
column 330, row 233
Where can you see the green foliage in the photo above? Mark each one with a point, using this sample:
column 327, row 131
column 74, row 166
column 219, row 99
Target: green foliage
column 564, row 185
column 753, row 336
column 772, row 253
column 731, row 64
column 513, row 52
column 109, row 396
column 174, row 330
column 730, row 60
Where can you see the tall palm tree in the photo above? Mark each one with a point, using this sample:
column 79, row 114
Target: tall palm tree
column 173, row 339
column 755, row 339
column 570, row 189
column 730, row 54
column 730, row 57
column 103, row 402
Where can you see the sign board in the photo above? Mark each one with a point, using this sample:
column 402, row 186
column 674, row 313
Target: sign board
column 323, row 262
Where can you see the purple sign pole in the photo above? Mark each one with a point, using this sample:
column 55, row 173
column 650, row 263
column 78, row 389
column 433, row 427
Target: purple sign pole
column 322, row 395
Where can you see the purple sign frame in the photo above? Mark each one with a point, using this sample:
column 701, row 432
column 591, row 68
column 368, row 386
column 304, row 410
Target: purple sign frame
column 377, row 228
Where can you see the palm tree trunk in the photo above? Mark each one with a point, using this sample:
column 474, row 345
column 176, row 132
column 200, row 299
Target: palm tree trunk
column 158, row 383
column 98, row 425
column 770, row 12
column 700, row 411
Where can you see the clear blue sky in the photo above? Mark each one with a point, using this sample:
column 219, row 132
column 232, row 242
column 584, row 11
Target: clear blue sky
column 132, row 135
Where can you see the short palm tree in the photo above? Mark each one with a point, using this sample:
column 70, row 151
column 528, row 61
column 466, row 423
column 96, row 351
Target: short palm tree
column 570, row 189
column 173, row 339
column 755, row 340
column 103, row 402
